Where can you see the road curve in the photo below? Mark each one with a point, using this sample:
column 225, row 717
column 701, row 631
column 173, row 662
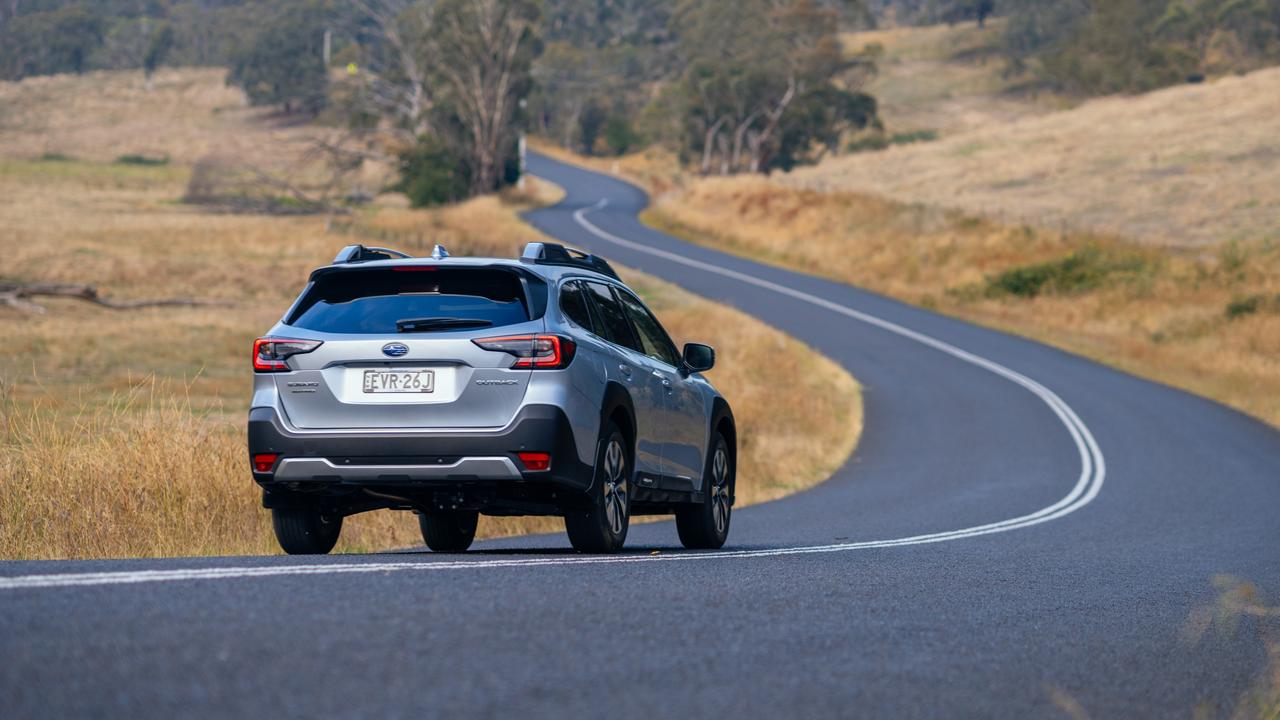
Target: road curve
column 1020, row 532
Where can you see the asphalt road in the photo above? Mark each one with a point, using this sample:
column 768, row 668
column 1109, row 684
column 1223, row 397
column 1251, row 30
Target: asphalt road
column 1020, row 533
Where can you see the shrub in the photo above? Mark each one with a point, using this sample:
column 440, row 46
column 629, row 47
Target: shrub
column 432, row 173
column 134, row 159
column 914, row 136
column 619, row 136
column 1081, row 271
column 1233, row 258
column 869, row 142
column 1240, row 307
column 880, row 141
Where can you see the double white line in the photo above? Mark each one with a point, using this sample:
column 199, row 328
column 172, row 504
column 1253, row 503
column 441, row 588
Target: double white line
column 1092, row 473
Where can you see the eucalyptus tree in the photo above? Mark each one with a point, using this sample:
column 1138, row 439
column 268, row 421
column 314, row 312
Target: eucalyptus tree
column 762, row 76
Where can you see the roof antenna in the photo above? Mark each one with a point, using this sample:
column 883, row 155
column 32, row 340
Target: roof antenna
column 439, row 253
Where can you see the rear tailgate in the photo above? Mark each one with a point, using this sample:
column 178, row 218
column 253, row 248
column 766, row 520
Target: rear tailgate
column 384, row 361
column 353, row 384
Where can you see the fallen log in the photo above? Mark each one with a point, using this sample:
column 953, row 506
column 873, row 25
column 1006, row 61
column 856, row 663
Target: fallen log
column 19, row 296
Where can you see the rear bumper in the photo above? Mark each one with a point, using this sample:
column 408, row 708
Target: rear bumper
column 450, row 470
column 309, row 460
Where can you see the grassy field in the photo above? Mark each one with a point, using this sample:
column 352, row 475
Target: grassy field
column 121, row 432
column 1187, row 166
column 100, row 116
column 945, row 79
column 1206, row 321
column 1141, row 231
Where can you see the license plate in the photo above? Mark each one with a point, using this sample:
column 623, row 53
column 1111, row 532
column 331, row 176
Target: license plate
column 399, row 381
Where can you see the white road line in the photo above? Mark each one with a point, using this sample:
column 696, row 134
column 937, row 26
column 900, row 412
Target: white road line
column 1092, row 473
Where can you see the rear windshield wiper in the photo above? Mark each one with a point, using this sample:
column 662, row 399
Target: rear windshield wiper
column 440, row 323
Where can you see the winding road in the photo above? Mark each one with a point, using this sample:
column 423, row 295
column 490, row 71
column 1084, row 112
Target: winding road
column 1021, row 532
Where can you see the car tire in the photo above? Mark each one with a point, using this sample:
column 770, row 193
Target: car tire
column 305, row 531
column 705, row 526
column 601, row 526
column 449, row 531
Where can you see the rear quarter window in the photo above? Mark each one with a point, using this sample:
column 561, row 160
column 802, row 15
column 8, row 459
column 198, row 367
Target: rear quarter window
column 614, row 325
column 372, row 301
column 573, row 303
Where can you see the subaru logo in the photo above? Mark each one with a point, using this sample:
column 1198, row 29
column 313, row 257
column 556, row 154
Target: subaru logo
column 395, row 349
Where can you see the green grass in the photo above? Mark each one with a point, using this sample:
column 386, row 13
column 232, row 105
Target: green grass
column 96, row 175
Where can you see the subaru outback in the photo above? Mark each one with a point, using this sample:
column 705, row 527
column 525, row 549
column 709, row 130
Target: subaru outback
column 453, row 387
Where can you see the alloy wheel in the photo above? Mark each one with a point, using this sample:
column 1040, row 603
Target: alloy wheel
column 615, row 486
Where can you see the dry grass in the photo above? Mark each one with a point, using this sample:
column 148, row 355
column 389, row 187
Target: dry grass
column 122, row 431
column 946, row 79
column 1188, row 166
column 654, row 169
column 1188, row 171
column 1207, row 322
column 1241, row 605
column 189, row 113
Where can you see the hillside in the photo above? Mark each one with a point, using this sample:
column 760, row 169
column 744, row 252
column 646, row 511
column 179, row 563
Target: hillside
column 102, row 115
column 1138, row 230
column 944, row 79
column 1187, row 166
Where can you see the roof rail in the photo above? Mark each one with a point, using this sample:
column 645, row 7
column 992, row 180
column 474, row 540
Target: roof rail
column 545, row 253
column 360, row 253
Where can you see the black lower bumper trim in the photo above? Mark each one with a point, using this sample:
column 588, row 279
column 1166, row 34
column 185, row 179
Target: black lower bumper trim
column 539, row 428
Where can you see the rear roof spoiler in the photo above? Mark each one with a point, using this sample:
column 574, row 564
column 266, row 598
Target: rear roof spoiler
column 545, row 253
column 360, row 253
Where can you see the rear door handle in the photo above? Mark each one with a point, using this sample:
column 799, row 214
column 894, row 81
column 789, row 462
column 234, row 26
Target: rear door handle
column 625, row 370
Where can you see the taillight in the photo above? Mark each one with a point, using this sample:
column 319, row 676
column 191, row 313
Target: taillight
column 535, row 461
column 535, row 352
column 269, row 354
column 264, row 462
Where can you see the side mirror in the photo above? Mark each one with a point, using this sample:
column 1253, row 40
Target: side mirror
column 699, row 357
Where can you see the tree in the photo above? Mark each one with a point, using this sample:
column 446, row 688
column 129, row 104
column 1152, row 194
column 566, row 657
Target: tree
column 960, row 10
column 158, row 46
column 591, row 123
column 396, row 69
column 486, row 48
column 620, row 136
column 451, row 74
column 55, row 41
column 281, row 61
column 1088, row 48
column 755, row 71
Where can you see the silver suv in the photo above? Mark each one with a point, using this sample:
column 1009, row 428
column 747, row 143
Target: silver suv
column 457, row 386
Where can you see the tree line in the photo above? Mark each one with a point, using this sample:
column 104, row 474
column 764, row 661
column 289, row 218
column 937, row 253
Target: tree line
column 1091, row 48
column 443, row 88
column 448, row 85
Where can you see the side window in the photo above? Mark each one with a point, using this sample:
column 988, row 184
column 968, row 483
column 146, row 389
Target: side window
column 656, row 343
column 574, row 305
column 613, row 318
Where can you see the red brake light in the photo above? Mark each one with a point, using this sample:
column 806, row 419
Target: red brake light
column 264, row 462
column 269, row 354
column 535, row 352
column 536, row 461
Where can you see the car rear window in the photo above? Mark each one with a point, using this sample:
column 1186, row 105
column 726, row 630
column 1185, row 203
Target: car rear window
column 373, row 301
